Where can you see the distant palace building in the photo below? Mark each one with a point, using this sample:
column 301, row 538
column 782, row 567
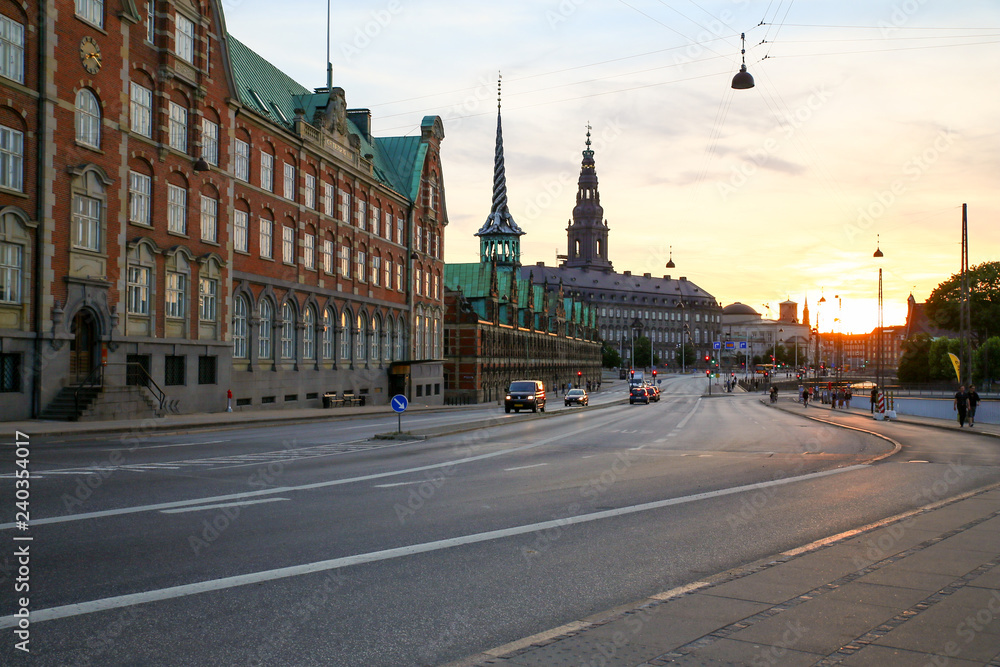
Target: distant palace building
column 501, row 326
column 670, row 312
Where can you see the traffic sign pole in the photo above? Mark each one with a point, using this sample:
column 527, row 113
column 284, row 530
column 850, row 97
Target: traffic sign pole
column 399, row 403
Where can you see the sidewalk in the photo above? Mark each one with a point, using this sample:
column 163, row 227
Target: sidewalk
column 208, row 420
column 922, row 589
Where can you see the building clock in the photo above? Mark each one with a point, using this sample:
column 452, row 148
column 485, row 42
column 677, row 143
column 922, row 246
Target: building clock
column 90, row 55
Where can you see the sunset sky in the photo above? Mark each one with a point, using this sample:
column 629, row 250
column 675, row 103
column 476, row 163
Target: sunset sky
column 868, row 117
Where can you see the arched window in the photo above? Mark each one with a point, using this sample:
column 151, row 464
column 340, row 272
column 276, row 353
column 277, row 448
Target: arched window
column 328, row 334
column 376, row 341
column 398, row 353
column 420, row 333
column 309, row 334
column 360, row 336
column 387, row 353
column 287, row 332
column 437, row 338
column 345, row 336
column 88, row 118
column 576, row 248
column 264, row 332
column 240, row 327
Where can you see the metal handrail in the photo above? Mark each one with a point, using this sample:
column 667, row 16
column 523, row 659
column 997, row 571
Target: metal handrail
column 158, row 394
column 94, row 379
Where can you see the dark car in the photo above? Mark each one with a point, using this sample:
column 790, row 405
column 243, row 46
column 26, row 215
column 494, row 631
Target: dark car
column 525, row 395
column 577, row 397
column 638, row 395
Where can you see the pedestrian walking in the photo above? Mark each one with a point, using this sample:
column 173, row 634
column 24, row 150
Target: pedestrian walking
column 961, row 405
column 847, row 397
column 805, row 397
column 973, row 402
column 874, row 398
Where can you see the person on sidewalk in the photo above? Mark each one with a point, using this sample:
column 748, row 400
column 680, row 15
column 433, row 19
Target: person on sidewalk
column 805, row 397
column 874, row 398
column 847, row 397
column 973, row 402
column 961, row 405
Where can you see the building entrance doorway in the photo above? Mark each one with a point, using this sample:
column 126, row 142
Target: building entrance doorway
column 83, row 348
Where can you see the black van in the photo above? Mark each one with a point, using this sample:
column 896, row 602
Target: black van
column 525, row 394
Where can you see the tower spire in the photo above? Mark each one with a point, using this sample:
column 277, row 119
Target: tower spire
column 498, row 237
column 587, row 233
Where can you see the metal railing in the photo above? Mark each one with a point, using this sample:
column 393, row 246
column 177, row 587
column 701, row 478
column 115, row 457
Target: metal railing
column 137, row 372
column 94, row 379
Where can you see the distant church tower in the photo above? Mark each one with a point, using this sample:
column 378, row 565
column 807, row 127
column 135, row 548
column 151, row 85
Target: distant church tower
column 588, row 230
column 805, row 313
column 499, row 237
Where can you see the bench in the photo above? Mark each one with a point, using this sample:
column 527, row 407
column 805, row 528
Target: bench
column 351, row 400
column 331, row 400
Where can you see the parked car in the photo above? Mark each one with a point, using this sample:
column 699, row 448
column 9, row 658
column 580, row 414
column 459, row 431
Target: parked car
column 525, row 395
column 638, row 395
column 577, row 397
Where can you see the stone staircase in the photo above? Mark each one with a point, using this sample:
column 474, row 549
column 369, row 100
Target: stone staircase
column 102, row 404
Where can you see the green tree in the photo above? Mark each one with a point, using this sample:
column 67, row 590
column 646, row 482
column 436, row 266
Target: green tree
column 609, row 355
column 687, row 355
column 943, row 305
column 939, row 363
column 987, row 362
column 914, row 364
column 643, row 352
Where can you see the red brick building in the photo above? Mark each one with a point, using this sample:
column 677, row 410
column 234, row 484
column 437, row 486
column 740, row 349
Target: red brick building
column 175, row 206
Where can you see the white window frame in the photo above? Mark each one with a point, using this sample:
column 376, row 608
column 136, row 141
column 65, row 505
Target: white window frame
column 11, row 159
column 86, row 223
column 267, row 171
column 175, row 290
column 327, row 255
column 344, row 259
column 240, row 328
column 151, row 21
column 329, row 191
column 91, row 11
column 360, row 265
column 288, row 181
column 309, row 251
column 176, row 209
column 267, row 238
column 140, row 192
column 241, row 163
column 264, row 351
column 376, row 272
column 178, row 127
column 184, row 38
column 209, row 219
column 387, row 267
column 11, row 269
column 345, row 337
column 138, row 289
column 287, row 244
column 287, row 335
column 308, row 334
column 141, row 109
column 210, row 141
column 309, row 194
column 241, row 230
column 208, row 296
column 11, row 49
column 327, row 338
column 88, row 118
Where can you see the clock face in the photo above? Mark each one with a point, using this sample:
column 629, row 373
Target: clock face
column 90, row 55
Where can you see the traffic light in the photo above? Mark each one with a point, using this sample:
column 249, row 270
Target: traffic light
column 579, row 374
column 654, row 372
column 631, row 373
column 707, row 358
column 708, row 373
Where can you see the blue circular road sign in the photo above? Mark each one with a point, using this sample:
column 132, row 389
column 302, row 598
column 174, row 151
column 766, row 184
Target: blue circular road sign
column 398, row 403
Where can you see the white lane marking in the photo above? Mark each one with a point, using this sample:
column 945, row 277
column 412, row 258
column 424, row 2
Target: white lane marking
column 179, row 444
column 291, row 489
column 534, row 465
column 117, row 602
column 684, row 421
column 221, row 505
column 391, row 485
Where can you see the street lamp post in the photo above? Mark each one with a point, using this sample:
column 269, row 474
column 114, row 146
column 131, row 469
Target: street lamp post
column 636, row 326
column 878, row 355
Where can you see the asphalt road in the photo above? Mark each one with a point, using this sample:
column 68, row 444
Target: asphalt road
column 310, row 544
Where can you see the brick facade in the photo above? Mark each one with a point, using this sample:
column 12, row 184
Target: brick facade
column 145, row 141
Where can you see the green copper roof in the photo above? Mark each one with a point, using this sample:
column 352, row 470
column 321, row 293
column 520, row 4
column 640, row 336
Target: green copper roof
column 397, row 161
column 262, row 86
